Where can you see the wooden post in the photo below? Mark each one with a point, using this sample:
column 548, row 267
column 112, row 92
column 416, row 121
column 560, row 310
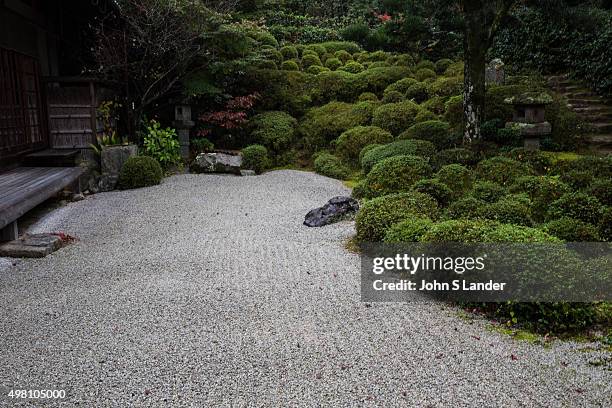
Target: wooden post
column 10, row 232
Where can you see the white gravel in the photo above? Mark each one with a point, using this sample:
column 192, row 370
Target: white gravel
column 208, row 291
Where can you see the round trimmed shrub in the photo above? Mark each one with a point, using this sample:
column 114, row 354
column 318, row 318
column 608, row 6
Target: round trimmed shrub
column 311, row 60
column 508, row 210
column 289, row 52
column 457, row 155
column 378, row 79
column 401, row 86
column 393, row 97
column 502, row 170
column 424, row 116
column 318, row 48
column 488, row 191
column 396, row 174
column 275, row 130
column 434, row 104
column 468, row 231
column 396, row 117
column 343, row 56
column 605, row 224
column 446, row 87
column 517, row 233
column 435, row 188
column 602, row 190
column 404, row 60
column 418, row 92
column 539, row 161
column 596, row 165
column 290, row 65
column 541, row 190
column 331, row 166
column 424, row 74
column 139, row 171
column 366, row 149
column 457, row 177
column 272, row 55
column 333, row 63
column 255, row 157
column 376, row 216
column 267, row 64
column 368, row 96
column 410, row 230
column 353, row 67
column 453, row 111
column 434, row 131
column 466, row 207
column 455, row 69
column 307, row 51
column 426, row 64
column 316, row 70
column 576, row 205
column 571, row 230
column 442, row 65
column 414, row 147
column 351, row 142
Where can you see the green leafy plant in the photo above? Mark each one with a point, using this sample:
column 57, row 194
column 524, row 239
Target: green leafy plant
column 139, row 171
column 162, row 144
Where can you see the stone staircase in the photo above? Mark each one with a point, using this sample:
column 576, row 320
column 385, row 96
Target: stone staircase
column 592, row 108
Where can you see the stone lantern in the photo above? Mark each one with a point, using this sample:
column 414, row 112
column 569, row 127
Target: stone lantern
column 528, row 117
column 183, row 124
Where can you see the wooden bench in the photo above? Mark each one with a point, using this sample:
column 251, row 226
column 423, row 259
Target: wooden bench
column 24, row 188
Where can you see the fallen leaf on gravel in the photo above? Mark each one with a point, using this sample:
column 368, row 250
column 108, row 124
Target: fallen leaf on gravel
column 476, row 337
column 513, row 357
column 318, row 376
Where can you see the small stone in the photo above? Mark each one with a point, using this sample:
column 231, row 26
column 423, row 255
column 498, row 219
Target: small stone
column 247, row 173
column 31, row 246
column 78, row 197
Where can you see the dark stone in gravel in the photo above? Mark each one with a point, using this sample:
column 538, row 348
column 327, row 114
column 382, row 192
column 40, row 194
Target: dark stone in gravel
column 336, row 209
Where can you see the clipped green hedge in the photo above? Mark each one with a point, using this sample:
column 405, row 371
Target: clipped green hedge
column 571, row 230
column 396, row 174
column 273, row 129
column 396, row 117
column 410, row 230
column 329, row 165
column 351, row 142
column 576, row 205
column 502, row 170
column 434, row 131
column 411, row 147
column 376, row 216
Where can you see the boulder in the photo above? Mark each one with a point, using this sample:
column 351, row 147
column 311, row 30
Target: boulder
column 112, row 159
column 216, row 163
column 336, row 209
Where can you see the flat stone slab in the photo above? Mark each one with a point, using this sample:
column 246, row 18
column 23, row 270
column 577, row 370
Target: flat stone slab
column 216, row 163
column 31, row 246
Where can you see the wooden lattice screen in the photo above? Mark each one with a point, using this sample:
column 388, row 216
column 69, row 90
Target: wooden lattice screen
column 23, row 124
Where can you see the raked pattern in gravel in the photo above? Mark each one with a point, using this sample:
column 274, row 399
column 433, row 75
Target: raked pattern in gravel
column 208, row 291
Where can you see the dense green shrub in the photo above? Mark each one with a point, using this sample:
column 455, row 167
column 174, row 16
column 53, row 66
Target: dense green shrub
column 434, row 131
column 378, row 79
column 267, row 64
column 333, row 63
column 330, row 166
column 605, row 224
column 424, row 74
column 323, row 124
column 426, row 64
column 455, row 69
column 255, row 157
column 316, row 69
column 576, row 205
column 366, row 149
column 435, row 188
column 488, row 191
column 396, row 117
column 410, row 230
column 289, row 52
column 508, row 210
column 602, row 190
column 538, row 160
column 275, row 130
column 310, row 60
column 414, row 147
column 405, row 60
column 578, row 179
column 457, row 155
column 571, row 230
column 396, row 174
column 418, row 92
column 425, row 116
column 343, row 56
column 272, row 55
column 542, row 191
column 457, row 177
column 596, row 165
column 351, row 142
column 496, row 95
column 434, row 104
column 368, row 96
column 442, row 65
column 356, row 32
column 337, row 85
column 446, row 87
column 335, row 46
column 466, row 207
column 318, row 48
column 453, row 112
column 392, row 97
column 401, row 86
column 202, row 145
column 290, row 65
column 517, row 233
column 139, row 171
column 376, row 216
column 353, row 67
column 476, row 231
column 280, row 90
column 502, row 170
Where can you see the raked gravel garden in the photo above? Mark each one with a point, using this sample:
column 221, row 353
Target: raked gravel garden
column 207, row 290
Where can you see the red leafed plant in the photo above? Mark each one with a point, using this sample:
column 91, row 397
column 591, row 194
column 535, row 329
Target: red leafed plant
column 383, row 17
column 234, row 116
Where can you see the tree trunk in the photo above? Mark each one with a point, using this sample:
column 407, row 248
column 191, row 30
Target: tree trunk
column 475, row 49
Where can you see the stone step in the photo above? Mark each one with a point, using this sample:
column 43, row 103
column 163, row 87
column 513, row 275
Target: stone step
column 580, row 94
column 593, row 109
column 585, row 101
column 595, row 117
column 599, row 139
